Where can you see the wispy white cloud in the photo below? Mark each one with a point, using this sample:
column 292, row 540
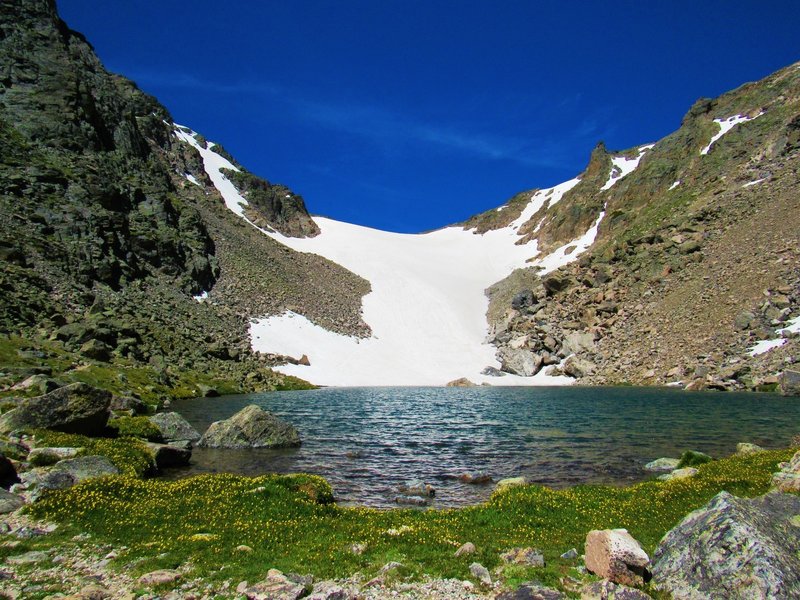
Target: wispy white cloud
column 395, row 132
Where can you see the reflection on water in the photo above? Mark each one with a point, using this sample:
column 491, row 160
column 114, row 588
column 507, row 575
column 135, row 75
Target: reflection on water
column 368, row 441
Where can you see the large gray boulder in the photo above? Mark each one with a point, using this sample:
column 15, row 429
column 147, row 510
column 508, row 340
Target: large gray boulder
column 733, row 548
column 251, row 427
column 75, row 408
column 65, row 474
column 520, row 361
column 789, row 383
column 174, row 428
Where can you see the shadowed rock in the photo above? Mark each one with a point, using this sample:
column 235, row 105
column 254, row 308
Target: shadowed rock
column 76, row 408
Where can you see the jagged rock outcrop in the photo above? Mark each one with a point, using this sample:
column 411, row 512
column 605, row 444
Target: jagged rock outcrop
column 733, row 548
column 695, row 260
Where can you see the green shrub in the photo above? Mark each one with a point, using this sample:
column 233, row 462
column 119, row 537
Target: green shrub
column 691, row 458
column 139, row 427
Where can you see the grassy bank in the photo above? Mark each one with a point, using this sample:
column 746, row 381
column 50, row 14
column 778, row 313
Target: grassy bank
column 290, row 522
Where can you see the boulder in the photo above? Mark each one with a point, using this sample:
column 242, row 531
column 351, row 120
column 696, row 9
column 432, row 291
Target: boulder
column 480, row 573
column 161, row 577
column 578, row 367
column 251, row 427
column 528, row 557
column 613, row 554
column 523, row 299
column 608, row 590
column 789, row 383
column 129, row 404
column 406, row 500
column 417, row 487
column 663, row 464
column 508, row 483
column 174, row 428
column 275, row 587
column 76, row 408
column 745, row 448
column 733, row 548
column 465, row 550
column 66, row 473
column 96, row 350
column 788, row 478
column 41, row 383
column 531, row 591
column 9, row 502
column 49, row 456
column 678, row 474
column 462, row 382
column 167, row 455
column 578, row 341
column 475, row 478
column 8, row 473
column 330, row 590
column 520, row 362
column 207, row 391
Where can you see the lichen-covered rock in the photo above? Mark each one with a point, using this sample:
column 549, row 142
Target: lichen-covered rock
column 167, row 455
column 733, row 548
column 251, row 427
column 615, row 555
column 76, row 408
column 174, row 428
column 608, row 590
column 10, row 502
column 745, row 448
column 509, row 482
column 662, row 464
column 678, row 474
column 788, row 478
column 65, row 474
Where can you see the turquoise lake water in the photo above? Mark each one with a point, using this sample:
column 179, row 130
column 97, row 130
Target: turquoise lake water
column 368, row 441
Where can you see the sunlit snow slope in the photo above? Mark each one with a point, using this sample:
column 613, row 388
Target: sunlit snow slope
column 427, row 308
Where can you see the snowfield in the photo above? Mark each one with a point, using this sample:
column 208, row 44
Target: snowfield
column 427, row 308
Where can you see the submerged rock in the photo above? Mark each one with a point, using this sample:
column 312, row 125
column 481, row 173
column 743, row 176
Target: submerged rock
column 733, row 548
column 663, row 464
column 251, row 427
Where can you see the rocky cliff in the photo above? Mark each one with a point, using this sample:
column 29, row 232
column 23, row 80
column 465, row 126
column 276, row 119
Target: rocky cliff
column 696, row 259
column 109, row 225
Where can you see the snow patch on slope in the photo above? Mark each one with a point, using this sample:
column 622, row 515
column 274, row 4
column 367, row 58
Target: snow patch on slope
column 674, row 185
column 725, row 125
column 427, row 308
column 792, row 326
column 623, row 166
column 570, row 251
column 213, row 163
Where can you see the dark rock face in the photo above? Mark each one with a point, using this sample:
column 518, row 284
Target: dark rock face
column 733, row 548
column 251, row 427
column 76, row 408
column 790, row 383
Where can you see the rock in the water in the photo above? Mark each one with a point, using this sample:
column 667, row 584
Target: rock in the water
column 417, row 487
column 406, row 500
column 251, row 427
column 747, row 448
column 509, row 482
column 532, row 591
column 613, row 554
column 733, row 548
column 174, row 428
column 9, row 502
column 462, row 382
column 207, row 391
column 161, row 577
column 475, row 478
column 789, row 383
column 167, row 455
column 608, row 590
column 465, row 550
column 529, row 557
column 678, row 474
column 663, row 464
column 480, row 573
column 788, row 478
column 75, row 408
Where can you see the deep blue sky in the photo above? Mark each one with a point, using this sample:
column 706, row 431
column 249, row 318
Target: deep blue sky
column 409, row 115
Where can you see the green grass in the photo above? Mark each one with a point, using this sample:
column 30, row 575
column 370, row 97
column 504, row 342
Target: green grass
column 129, row 455
column 291, row 525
